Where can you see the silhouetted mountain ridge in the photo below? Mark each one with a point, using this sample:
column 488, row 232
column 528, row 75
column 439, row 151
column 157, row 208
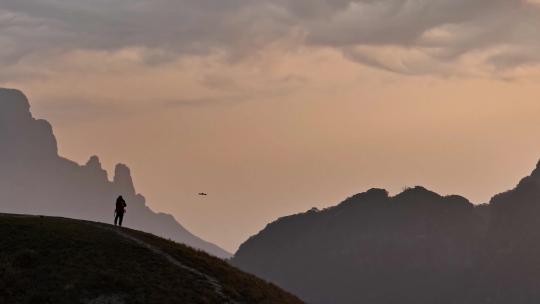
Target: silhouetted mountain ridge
column 35, row 180
column 414, row 247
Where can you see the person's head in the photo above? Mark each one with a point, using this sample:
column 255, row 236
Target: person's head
column 120, row 197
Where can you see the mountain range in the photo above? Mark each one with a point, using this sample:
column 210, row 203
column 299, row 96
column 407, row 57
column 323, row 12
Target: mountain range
column 34, row 179
column 415, row 247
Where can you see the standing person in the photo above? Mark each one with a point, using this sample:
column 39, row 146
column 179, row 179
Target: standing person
column 119, row 211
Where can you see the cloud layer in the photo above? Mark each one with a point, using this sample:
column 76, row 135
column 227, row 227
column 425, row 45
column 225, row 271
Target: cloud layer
column 405, row 36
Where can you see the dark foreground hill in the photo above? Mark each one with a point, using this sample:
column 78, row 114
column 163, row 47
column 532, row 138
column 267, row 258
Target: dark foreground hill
column 417, row 247
column 57, row 260
column 35, row 179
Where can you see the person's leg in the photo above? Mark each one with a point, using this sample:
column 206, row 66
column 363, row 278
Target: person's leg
column 121, row 218
column 116, row 219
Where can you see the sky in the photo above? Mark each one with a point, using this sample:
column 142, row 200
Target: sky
column 273, row 107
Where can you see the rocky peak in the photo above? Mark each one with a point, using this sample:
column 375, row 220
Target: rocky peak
column 13, row 104
column 94, row 162
column 122, row 179
column 532, row 180
column 20, row 134
column 416, row 194
column 94, row 165
column 536, row 171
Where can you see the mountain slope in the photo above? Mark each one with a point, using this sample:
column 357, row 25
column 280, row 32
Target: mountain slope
column 35, row 180
column 416, row 247
column 58, row 260
column 369, row 244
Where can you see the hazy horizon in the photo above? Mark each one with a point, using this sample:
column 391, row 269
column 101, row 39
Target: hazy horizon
column 274, row 107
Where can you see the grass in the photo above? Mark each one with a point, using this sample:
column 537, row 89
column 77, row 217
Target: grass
column 55, row 260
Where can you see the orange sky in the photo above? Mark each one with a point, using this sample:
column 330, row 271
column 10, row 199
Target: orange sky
column 294, row 122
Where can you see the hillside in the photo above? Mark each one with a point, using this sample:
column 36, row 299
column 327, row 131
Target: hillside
column 58, row 260
column 35, row 179
column 415, row 247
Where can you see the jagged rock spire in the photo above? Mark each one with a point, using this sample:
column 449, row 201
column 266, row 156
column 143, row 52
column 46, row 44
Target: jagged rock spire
column 94, row 162
column 94, row 166
column 31, row 139
column 123, row 180
column 13, row 104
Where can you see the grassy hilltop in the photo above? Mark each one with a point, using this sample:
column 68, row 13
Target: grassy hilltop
column 57, row 260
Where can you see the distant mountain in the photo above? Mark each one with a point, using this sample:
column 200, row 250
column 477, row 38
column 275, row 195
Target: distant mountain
column 58, row 260
column 34, row 179
column 416, row 247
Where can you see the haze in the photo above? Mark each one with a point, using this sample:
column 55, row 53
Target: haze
column 275, row 106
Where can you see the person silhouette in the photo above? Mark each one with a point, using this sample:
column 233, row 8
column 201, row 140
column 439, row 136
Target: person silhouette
column 119, row 211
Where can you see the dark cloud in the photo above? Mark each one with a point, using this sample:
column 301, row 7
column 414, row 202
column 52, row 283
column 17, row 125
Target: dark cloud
column 514, row 59
column 172, row 28
column 187, row 26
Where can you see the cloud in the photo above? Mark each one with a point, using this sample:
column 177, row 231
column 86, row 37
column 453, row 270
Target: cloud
column 184, row 26
column 439, row 31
